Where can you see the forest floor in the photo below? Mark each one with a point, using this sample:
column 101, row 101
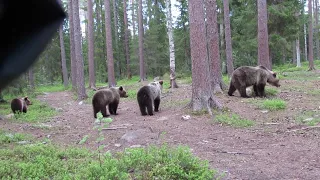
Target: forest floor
column 280, row 145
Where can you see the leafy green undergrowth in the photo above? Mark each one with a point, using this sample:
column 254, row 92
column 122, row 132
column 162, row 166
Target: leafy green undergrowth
column 7, row 138
column 46, row 161
column 273, row 104
column 232, row 119
column 52, row 88
column 271, row 91
column 310, row 118
column 37, row 112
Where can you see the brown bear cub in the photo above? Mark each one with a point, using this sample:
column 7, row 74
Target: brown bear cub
column 20, row 105
column 107, row 97
column 257, row 77
column 149, row 96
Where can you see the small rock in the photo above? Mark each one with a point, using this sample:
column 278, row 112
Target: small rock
column 48, row 136
column 59, row 109
column 186, row 117
column 69, row 103
column 23, row 142
column 136, row 146
column 9, row 116
column 117, row 145
column 162, row 119
column 308, row 119
column 264, row 111
column 80, row 103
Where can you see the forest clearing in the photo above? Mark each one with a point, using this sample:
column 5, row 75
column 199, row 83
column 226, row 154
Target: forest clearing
column 247, row 140
column 238, row 83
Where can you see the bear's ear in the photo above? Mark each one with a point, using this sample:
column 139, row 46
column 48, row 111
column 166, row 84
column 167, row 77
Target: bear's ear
column 121, row 88
column 25, row 98
column 161, row 82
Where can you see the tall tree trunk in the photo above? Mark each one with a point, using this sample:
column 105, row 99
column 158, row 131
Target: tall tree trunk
column 31, row 78
column 316, row 28
column 1, row 98
column 92, row 78
column 81, row 91
column 213, row 46
column 133, row 18
column 263, row 48
column 72, row 46
column 141, row 54
column 126, row 38
column 202, row 91
column 173, row 83
column 222, row 43
column 228, row 37
column 310, row 37
column 97, row 9
column 284, row 55
column 115, row 21
column 63, row 59
column 298, row 52
column 294, row 53
column 110, row 62
column 305, row 42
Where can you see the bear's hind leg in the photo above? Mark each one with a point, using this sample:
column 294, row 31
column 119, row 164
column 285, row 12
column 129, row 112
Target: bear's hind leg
column 232, row 89
column 255, row 88
column 243, row 91
column 111, row 108
column 115, row 107
column 156, row 105
column 261, row 91
column 104, row 112
column 143, row 110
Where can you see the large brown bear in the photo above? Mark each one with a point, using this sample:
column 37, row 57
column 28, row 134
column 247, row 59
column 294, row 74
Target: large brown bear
column 20, row 105
column 257, row 77
column 149, row 96
column 107, row 97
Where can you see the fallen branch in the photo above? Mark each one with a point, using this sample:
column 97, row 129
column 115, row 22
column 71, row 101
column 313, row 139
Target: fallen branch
column 232, row 152
column 115, row 128
column 305, row 128
column 271, row 123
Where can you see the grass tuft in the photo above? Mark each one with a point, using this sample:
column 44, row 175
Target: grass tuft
column 273, row 104
column 232, row 119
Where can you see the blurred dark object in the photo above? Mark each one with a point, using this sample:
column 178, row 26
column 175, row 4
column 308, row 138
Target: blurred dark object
column 26, row 28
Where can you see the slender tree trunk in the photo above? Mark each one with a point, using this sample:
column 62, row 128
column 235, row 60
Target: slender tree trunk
column 284, row 55
column 110, row 62
column 213, row 46
column 298, row 52
column 305, row 42
column 31, row 78
column 173, row 83
column 1, row 97
column 202, row 91
column 294, row 53
column 316, row 28
column 97, row 10
column 263, row 48
column 310, row 37
column 63, row 59
column 133, row 18
column 81, row 91
column 228, row 38
column 72, row 47
column 126, row 38
column 141, row 54
column 92, row 78
column 222, row 39
column 115, row 17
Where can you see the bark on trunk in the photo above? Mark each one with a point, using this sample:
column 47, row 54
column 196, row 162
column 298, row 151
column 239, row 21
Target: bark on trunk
column 213, row 46
column 63, row 59
column 141, row 54
column 72, row 47
column 126, row 39
column 294, row 53
column 110, row 62
column 316, row 28
column 81, row 91
column 305, row 42
column 115, row 21
column 202, row 91
column 92, row 78
column 173, row 83
column 263, row 47
column 310, row 37
column 230, row 67
column 133, row 18
column 298, row 52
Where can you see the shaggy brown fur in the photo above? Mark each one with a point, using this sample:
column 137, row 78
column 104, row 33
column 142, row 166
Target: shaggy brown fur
column 20, row 105
column 257, row 77
column 149, row 96
column 107, row 97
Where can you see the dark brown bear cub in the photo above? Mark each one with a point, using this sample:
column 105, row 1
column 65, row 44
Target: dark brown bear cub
column 107, row 97
column 257, row 77
column 20, row 105
column 149, row 96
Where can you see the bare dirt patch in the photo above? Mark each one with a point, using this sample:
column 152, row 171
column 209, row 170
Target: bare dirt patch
column 276, row 147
